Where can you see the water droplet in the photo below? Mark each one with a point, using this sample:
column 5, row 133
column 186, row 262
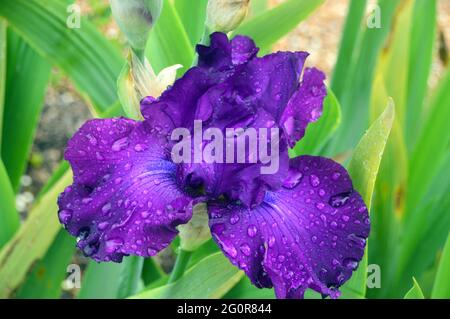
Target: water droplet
column 320, row 206
column 336, row 176
column 350, row 263
column 118, row 180
column 106, row 208
column 345, row 218
column 145, row 214
column 281, row 258
column 252, row 230
column 314, row 239
column 314, row 180
column 86, row 200
column 322, row 192
column 293, row 180
column 111, row 245
column 360, row 241
column 92, row 139
column 91, row 248
column 83, row 234
column 120, row 144
column 333, row 224
column 271, row 241
column 103, row 225
column 139, row 147
column 234, row 219
column 245, row 249
column 65, row 216
column 339, row 200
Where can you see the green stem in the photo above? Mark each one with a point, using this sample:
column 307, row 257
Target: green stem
column 180, row 265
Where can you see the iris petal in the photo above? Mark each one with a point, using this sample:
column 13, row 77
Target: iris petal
column 309, row 234
column 125, row 199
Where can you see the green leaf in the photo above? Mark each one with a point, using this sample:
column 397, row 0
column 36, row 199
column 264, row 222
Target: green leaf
column 427, row 232
column 441, row 288
column 318, row 133
column 26, row 71
column 84, row 54
column 169, row 44
column 45, row 279
column 258, row 6
column 8, row 215
column 415, row 292
column 356, row 93
column 349, row 42
column 271, row 25
column 212, row 278
column 38, row 232
column 366, row 159
column 363, row 169
column 111, row 280
column 431, row 147
column 246, row 290
column 3, row 56
column 423, row 35
column 192, row 15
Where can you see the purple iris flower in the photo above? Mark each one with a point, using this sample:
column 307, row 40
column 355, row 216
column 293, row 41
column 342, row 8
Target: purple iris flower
column 302, row 227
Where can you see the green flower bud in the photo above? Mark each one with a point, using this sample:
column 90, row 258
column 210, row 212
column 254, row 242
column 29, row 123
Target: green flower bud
column 196, row 232
column 226, row 15
column 136, row 18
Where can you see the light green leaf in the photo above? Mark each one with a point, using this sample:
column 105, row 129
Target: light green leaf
column 431, row 147
column 415, row 292
column 45, row 279
column 423, row 38
column 26, row 71
column 169, row 44
column 112, row 280
column 212, row 278
column 271, row 25
column 38, row 232
column 3, row 63
column 192, row 15
column 441, row 288
column 318, row 133
column 358, row 85
column 8, row 215
column 84, row 54
column 363, row 169
column 349, row 43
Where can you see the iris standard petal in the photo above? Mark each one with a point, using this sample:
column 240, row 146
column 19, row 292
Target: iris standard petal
column 309, row 234
column 125, row 199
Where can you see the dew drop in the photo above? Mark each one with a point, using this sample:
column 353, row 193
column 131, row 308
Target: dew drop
column 245, row 249
column 234, row 219
column 293, row 180
column 65, row 216
column 83, row 234
column 111, row 245
column 314, row 180
column 252, row 230
column 271, row 241
column 339, row 200
column 120, row 144
column 336, row 176
column 106, row 208
column 91, row 249
column 350, row 263
column 320, row 206
column 103, row 225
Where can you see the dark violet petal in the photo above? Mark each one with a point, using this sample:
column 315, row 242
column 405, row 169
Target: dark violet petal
column 223, row 54
column 305, row 106
column 125, row 199
column 177, row 105
column 309, row 234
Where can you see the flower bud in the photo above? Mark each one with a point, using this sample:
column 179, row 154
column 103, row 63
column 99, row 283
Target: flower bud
column 226, row 15
column 136, row 18
column 196, row 232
